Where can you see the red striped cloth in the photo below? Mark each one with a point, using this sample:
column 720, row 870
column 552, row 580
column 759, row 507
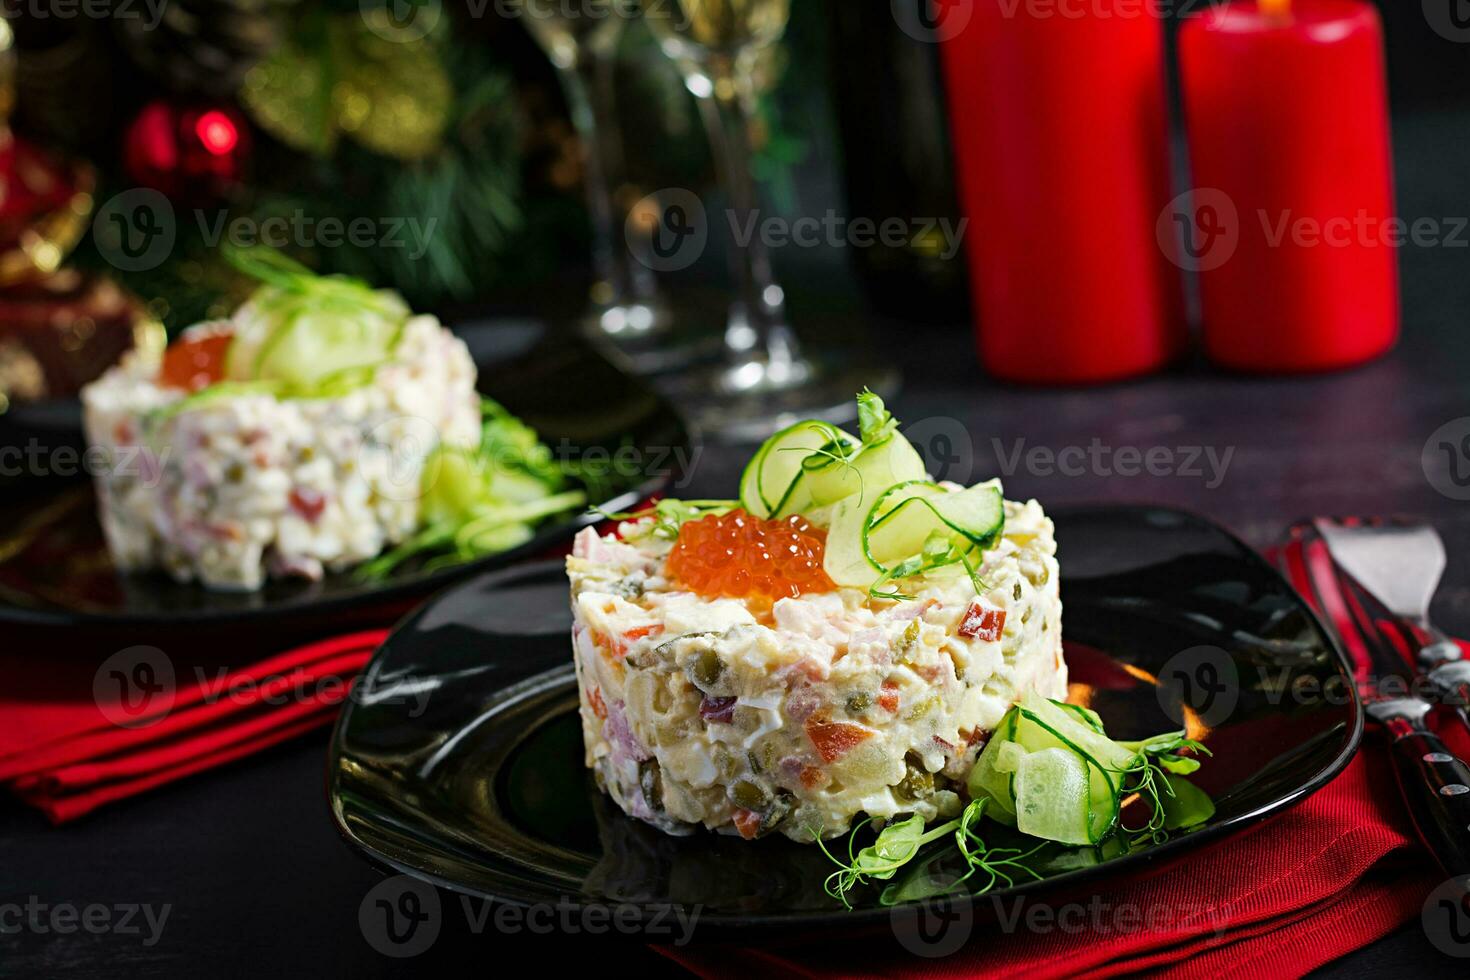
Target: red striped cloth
column 1335, row 873
column 67, row 749
column 62, row 748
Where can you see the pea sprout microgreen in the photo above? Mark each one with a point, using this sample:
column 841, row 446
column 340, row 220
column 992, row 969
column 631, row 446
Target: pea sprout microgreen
column 900, row 842
column 1174, row 805
column 668, row 515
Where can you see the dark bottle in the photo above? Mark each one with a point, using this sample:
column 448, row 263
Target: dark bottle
column 889, row 100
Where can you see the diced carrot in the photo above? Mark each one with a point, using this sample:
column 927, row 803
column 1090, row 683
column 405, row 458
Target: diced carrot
column 983, row 624
column 812, row 777
column 834, row 739
column 634, row 635
column 888, row 697
column 748, row 822
column 599, row 707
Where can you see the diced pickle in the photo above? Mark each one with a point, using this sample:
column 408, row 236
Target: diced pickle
column 725, row 762
column 907, row 641
column 707, row 668
column 747, row 794
column 859, row 702
column 922, row 708
column 778, row 811
column 650, row 780
column 917, row 782
column 1017, row 592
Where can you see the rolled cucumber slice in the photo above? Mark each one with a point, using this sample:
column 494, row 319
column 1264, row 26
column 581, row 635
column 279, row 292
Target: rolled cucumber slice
column 879, row 466
column 904, row 524
column 775, row 481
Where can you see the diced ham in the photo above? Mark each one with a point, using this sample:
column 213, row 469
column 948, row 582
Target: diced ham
column 308, row 503
column 717, row 709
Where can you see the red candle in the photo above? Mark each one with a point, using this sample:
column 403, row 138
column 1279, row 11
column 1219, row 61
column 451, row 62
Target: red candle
column 1293, row 232
column 1059, row 123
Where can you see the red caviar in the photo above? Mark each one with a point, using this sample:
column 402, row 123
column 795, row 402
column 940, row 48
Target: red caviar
column 745, row 557
column 195, row 363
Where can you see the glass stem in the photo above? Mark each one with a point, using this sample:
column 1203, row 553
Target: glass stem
column 757, row 333
column 589, row 93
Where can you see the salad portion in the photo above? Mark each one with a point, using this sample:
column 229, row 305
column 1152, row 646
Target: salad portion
column 320, row 424
column 851, row 643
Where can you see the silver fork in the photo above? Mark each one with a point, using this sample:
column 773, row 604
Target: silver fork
column 1400, row 564
column 1386, row 571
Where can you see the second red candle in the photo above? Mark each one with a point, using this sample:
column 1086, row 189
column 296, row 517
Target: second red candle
column 1291, row 228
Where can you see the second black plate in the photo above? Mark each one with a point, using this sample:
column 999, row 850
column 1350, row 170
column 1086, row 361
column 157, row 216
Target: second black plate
column 54, row 566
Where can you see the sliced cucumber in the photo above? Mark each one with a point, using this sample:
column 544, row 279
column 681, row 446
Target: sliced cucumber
column 991, row 776
column 907, row 524
column 774, row 481
column 1052, row 796
column 320, row 330
column 845, row 561
column 1062, row 723
column 1074, row 801
column 874, row 470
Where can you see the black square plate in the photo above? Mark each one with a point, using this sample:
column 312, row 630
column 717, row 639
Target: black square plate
column 459, row 760
column 55, row 569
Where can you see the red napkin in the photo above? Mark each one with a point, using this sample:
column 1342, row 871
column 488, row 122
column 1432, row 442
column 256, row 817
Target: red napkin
column 68, row 748
column 63, row 749
column 1335, row 873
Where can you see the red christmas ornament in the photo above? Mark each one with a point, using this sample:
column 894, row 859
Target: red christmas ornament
column 193, row 154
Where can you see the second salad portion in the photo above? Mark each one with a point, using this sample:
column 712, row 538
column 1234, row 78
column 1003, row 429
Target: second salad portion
column 842, row 640
column 318, row 425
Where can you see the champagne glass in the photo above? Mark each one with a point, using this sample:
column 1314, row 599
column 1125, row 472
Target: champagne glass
column 723, row 49
column 581, row 37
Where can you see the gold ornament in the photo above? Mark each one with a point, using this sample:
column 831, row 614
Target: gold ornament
column 391, row 96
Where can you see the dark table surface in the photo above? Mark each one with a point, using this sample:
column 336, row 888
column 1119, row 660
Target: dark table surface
column 256, row 880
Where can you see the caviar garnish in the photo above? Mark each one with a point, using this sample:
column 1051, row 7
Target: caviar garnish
column 741, row 556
